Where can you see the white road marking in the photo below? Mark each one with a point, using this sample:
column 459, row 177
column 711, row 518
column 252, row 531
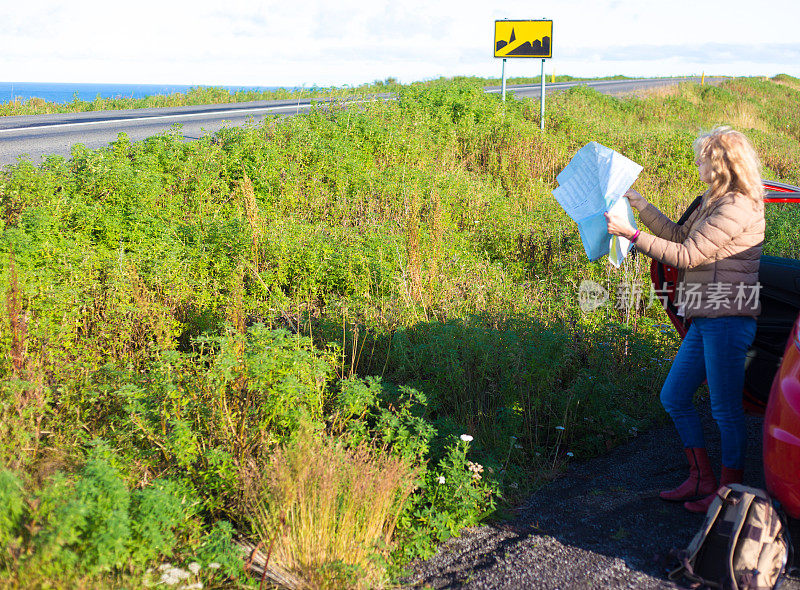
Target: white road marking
column 587, row 82
column 184, row 115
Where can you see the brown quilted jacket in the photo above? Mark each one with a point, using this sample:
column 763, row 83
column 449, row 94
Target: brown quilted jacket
column 717, row 252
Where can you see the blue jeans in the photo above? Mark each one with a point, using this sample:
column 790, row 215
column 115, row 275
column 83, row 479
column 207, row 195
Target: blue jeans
column 714, row 349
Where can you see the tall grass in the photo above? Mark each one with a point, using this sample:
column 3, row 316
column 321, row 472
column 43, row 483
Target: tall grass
column 325, row 515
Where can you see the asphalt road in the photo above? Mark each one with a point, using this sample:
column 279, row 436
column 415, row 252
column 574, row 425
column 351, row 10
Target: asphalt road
column 604, row 86
column 34, row 137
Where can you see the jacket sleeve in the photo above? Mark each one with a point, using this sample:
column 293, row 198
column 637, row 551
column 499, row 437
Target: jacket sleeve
column 703, row 240
column 661, row 225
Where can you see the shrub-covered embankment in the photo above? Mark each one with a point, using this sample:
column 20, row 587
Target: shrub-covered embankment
column 343, row 335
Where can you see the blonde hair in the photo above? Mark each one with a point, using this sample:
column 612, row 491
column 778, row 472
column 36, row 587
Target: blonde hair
column 734, row 165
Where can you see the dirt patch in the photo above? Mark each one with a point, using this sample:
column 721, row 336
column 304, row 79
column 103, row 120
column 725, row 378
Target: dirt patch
column 600, row 525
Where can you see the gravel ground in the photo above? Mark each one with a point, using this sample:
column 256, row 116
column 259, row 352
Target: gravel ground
column 600, row 525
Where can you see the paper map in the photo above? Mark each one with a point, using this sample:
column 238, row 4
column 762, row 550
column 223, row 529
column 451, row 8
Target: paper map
column 592, row 183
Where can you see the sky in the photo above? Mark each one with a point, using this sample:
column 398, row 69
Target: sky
column 351, row 42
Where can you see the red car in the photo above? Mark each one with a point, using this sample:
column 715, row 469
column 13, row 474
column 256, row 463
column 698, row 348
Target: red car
column 772, row 377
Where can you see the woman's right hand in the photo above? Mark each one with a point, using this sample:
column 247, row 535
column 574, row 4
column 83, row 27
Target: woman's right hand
column 636, row 200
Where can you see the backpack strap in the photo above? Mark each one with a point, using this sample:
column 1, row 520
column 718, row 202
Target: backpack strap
column 787, row 537
column 743, row 503
column 688, row 555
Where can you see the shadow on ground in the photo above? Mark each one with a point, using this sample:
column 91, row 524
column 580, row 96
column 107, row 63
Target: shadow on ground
column 600, row 525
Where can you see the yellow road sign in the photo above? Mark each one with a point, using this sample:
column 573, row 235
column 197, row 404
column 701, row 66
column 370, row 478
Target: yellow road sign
column 523, row 38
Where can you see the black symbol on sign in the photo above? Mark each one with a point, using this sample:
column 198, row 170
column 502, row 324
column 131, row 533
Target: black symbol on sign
column 500, row 44
column 536, row 48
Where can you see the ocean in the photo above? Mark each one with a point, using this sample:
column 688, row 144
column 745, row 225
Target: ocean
column 65, row 92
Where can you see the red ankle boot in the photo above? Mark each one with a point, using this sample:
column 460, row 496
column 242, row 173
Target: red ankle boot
column 701, row 481
column 727, row 476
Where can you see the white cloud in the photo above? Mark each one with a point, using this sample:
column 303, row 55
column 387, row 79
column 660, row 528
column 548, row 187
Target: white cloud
column 711, row 53
column 242, row 42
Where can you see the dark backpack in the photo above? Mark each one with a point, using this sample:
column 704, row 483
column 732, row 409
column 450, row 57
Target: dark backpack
column 742, row 545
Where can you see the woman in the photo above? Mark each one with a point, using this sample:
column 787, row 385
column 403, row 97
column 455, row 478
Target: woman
column 717, row 253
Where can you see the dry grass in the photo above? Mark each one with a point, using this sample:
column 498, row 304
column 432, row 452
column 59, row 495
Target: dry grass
column 251, row 210
column 325, row 514
column 660, row 92
column 786, row 82
column 742, row 115
column 21, row 420
column 17, row 320
column 413, row 248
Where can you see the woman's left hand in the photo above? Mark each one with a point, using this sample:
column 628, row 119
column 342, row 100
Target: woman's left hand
column 618, row 225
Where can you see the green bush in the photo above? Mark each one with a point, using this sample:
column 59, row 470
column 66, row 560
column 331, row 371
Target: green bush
column 453, row 494
column 12, row 511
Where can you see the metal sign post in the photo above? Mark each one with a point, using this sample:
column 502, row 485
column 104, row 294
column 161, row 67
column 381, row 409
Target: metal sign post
column 504, row 79
column 541, row 114
column 524, row 38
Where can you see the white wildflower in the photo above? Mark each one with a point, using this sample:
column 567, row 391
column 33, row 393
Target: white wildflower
column 513, row 485
column 175, row 573
column 194, row 567
column 214, row 565
column 475, row 468
column 440, row 480
column 195, row 586
column 164, row 567
column 570, row 454
column 466, row 438
column 168, row 579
